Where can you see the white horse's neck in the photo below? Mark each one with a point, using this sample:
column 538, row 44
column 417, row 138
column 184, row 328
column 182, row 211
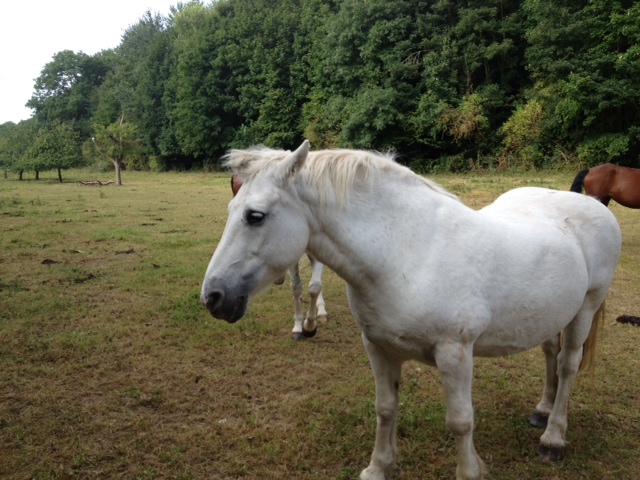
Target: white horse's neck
column 359, row 240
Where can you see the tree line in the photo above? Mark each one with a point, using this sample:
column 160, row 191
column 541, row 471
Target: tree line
column 447, row 84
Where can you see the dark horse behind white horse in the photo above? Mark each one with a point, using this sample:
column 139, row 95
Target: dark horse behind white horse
column 428, row 278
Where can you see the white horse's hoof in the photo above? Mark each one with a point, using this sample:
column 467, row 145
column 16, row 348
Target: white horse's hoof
column 372, row 473
column 298, row 336
column 375, row 472
column 309, row 334
column 551, row 453
column 304, row 334
column 538, row 420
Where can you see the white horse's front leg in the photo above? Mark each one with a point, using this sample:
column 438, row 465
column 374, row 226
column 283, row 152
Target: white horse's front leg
column 387, row 379
column 455, row 364
column 550, row 348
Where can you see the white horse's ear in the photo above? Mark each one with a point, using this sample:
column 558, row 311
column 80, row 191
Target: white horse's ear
column 294, row 161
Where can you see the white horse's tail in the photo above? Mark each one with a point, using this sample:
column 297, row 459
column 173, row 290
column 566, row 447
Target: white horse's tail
column 589, row 347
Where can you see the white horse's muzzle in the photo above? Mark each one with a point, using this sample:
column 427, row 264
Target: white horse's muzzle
column 229, row 305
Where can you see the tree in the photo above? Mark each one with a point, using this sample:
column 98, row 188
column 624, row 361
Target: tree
column 364, row 77
column 472, row 70
column 5, row 156
column 400, row 74
column 521, row 135
column 142, row 68
column 66, row 90
column 117, row 142
column 15, row 140
column 438, row 81
column 204, row 110
column 55, row 147
column 585, row 58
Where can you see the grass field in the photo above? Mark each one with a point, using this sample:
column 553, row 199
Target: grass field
column 110, row 367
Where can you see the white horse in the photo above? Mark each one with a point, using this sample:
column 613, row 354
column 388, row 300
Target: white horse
column 428, row 278
column 304, row 326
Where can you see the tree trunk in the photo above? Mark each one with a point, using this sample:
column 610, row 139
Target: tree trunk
column 60, row 175
column 117, row 162
column 37, row 175
column 20, row 174
column 118, row 167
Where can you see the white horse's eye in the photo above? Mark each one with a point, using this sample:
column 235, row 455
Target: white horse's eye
column 255, row 218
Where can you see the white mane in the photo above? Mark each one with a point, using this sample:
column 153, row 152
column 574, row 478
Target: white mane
column 330, row 173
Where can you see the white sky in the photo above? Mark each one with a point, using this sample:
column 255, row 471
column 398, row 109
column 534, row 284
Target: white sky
column 32, row 31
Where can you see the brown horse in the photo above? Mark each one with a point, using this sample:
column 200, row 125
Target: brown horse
column 304, row 326
column 608, row 181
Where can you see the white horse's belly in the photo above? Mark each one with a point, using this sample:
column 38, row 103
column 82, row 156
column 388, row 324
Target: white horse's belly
column 514, row 325
column 494, row 346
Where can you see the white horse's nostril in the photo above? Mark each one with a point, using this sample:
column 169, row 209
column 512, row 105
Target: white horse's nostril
column 213, row 300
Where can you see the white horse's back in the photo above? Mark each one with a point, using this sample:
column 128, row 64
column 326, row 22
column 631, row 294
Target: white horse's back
column 578, row 216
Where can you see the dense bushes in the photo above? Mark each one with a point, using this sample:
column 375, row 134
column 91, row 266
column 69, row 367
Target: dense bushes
column 447, row 84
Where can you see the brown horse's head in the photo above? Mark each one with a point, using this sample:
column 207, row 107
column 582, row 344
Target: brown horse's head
column 236, row 183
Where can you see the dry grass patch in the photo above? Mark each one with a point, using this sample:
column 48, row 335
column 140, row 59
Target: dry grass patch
column 110, row 367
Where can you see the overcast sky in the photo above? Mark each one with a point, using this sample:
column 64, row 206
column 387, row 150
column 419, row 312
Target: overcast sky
column 32, row 31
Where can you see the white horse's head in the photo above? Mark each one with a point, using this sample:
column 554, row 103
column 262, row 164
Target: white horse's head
column 266, row 233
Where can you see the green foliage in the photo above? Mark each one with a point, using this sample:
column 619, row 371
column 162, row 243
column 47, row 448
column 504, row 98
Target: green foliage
column 119, row 143
column 586, row 59
column 196, row 101
column 6, row 130
column 607, row 147
column 521, row 135
column 432, row 80
column 55, row 147
column 373, row 115
column 15, row 140
column 66, row 90
column 324, row 114
column 144, row 67
column 365, row 77
column 117, row 140
column 467, row 122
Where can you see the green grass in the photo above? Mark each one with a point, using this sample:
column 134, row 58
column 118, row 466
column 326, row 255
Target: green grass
column 111, row 368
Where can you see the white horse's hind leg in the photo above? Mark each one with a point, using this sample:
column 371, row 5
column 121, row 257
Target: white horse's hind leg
column 550, row 348
column 455, row 364
column 552, row 441
column 316, row 286
column 317, row 313
column 296, row 290
column 387, row 379
column 322, row 309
